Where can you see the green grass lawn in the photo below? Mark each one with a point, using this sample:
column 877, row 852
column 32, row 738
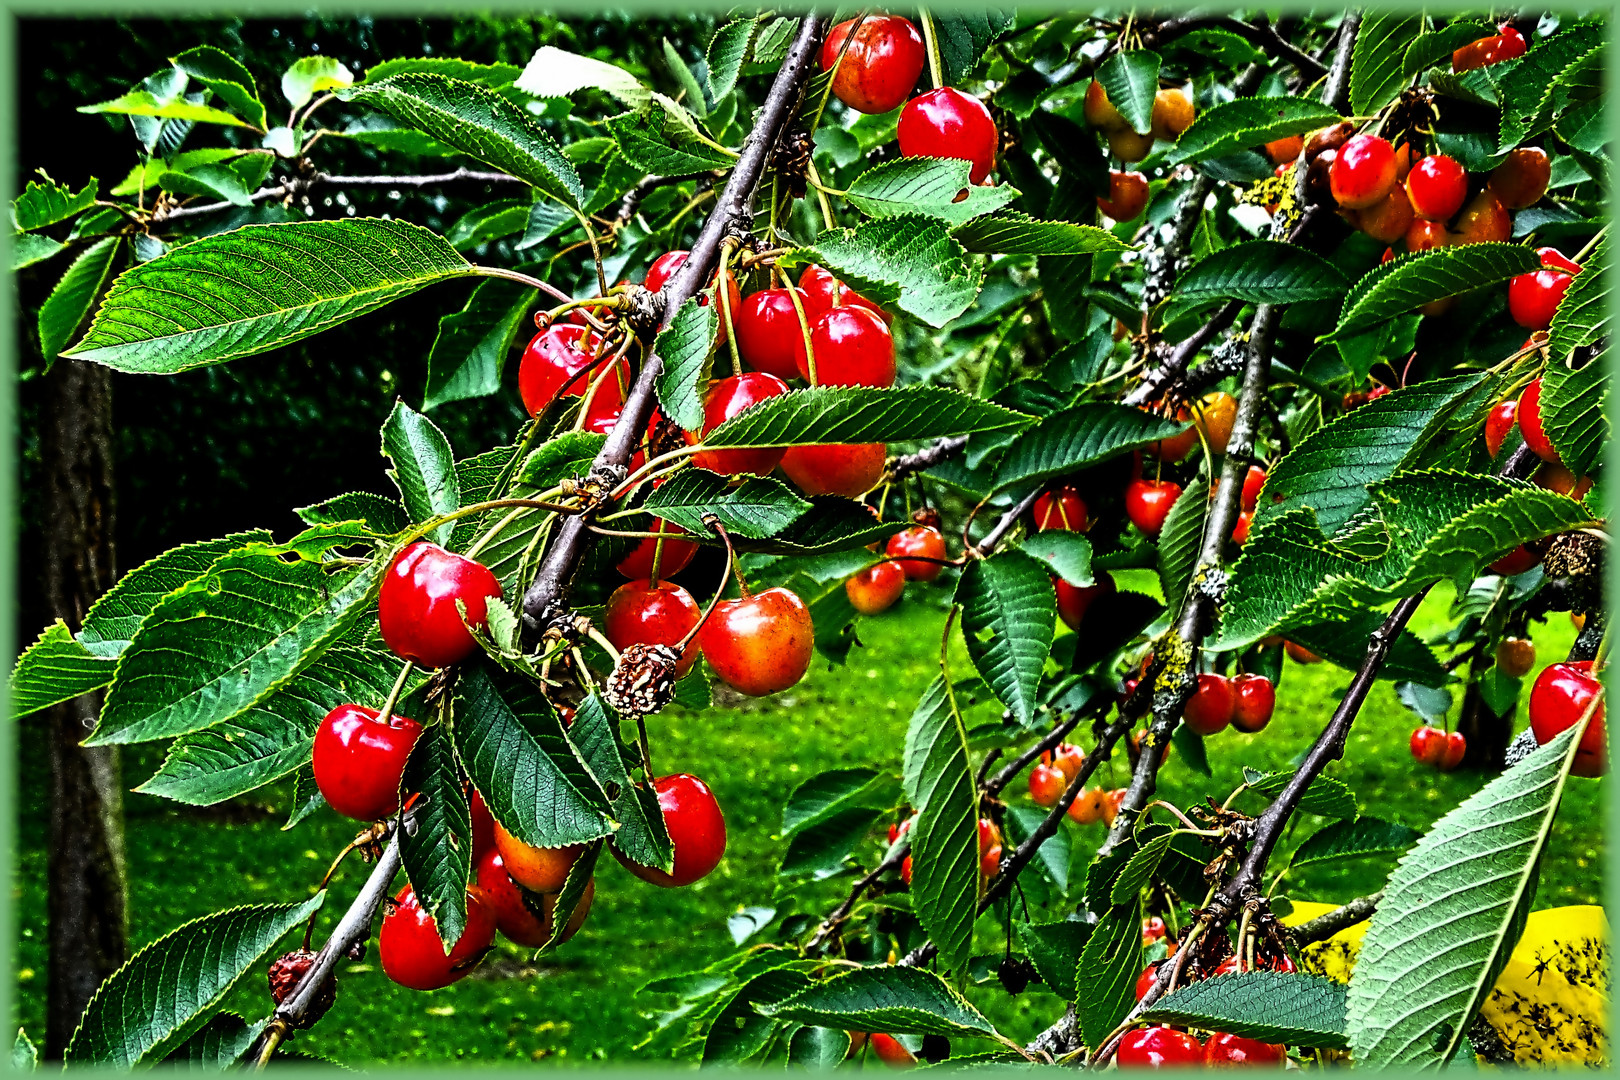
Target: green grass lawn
column 579, row 1004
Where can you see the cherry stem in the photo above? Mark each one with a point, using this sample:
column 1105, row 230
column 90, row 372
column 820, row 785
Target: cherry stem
column 1590, row 244
column 727, row 249
column 513, row 275
column 720, row 590
column 658, row 556
column 1184, row 819
column 494, row 530
column 607, row 646
column 804, row 329
column 931, row 43
column 387, row 710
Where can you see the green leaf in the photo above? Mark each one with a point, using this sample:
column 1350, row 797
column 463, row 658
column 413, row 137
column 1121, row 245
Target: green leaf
column 1066, row 554
column 1574, row 411
column 569, row 454
column 1263, row 272
column 1083, row 435
column 438, row 855
column 926, row 185
column 1378, row 59
column 1054, row 855
column 727, row 50
column 220, row 644
column 219, row 1044
column 691, row 92
column 818, row 1048
column 1583, row 315
column 424, row 467
column 306, row 797
column 473, row 343
column 27, row 249
column 1140, row 868
column 739, row 1032
column 45, row 202
column 1437, row 45
column 145, row 103
column 760, row 507
column 945, row 839
column 226, row 77
column 1109, row 967
column 70, row 301
column 168, row 989
column 861, row 414
column 1244, row 123
column 911, row 258
column 1190, row 745
column 823, row 848
column 481, row 124
column 1530, row 91
column 1009, row 232
column 963, row 36
column 1451, row 914
column 1179, row 540
column 553, row 72
column 1055, row 948
column 311, row 75
column 381, row 515
column 489, row 221
column 494, row 76
column 664, row 139
column 273, row 738
column 833, row 523
column 24, row 1055
column 54, row 669
column 1270, row 1006
column 1409, row 281
column 887, row 998
column 194, row 306
column 826, row 794
column 685, row 346
column 1008, row 611
column 1132, row 79
column 642, row 837
column 1349, row 838
column 1325, row 795
column 511, row 743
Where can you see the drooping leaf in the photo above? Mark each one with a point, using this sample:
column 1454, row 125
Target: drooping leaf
column 910, row 259
column 1530, row 90
column 168, row 989
column 1244, row 123
column 760, row 507
column 1349, row 838
column 27, row 249
column 1263, row 272
column 45, row 202
column 1054, row 948
column 818, row 1047
column 1179, row 541
column 473, row 343
column 831, row 524
column 963, row 37
column 642, row 836
column 311, row 75
column 828, row 793
column 1409, row 281
column 926, row 185
column 897, row 1000
column 1008, row 232
column 685, row 346
column 1140, row 868
column 70, row 301
column 554, row 72
column 145, row 103
column 1326, row 795
column 1378, row 59
column 1080, row 436
column 739, row 1031
column 1132, row 79
column 1574, row 411
column 1270, row 1006
column 823, row 848
column 861, row 414
column 222, row 73
column 488, row 221
column 1109, row 966
column 1008, row 611
column 219, row 1044
column 727, row 50
column 381, row 515
column 1067, row 554
column 54, row 669
column 194, row 306
column 1583, row 314
column 424, row 467
column 945, row 838
column 576, row 888
column 665, row 139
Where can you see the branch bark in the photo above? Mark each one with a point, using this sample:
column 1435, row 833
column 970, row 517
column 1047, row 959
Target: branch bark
column 941, row 450
column 1326, row 925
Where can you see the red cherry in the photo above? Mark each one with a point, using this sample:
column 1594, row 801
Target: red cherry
column 1558, row 700
column 1363, row 171
column 726, row 399
column 768, row 332
column 664, row 267
column 1145, row 981
column 888, row 1048
column 1436, row 186
column 1073, row 601
column 538, row 869
column 1498, row 424
column 1483, row 219
column 1428, row 745
column 1456, row 747
column 823, row 292
column 1533, row 298
column 1047, row 784
column 1255, row 698
column 359, row 761
column 1240, row 529
column 412, row 954
column 899, row 829
column 1148, row 502
column 641, row 613
column 880, row 67
column 1158, row 1048
column 946, row 123
column 905, row 870
column 847, row 469
column 989, row 835
column 990, row 863
column 1177, row 447
column 1253, row 481
column 1529, row 416
column 1224, row 1049
column 696, row 827
column 1127, row 196
column 554, row 356
column 1210, row 707
column 921, row 540
column 1426, row 235
column 876, row 588
column 1515, row 562
column 677, row 553
column 517, row 919
column 417, row 604
column 1067, row 759
column 853, row 347
column 760, row 644
column 483, row 824
column 1521, row 180
column 1060, row 508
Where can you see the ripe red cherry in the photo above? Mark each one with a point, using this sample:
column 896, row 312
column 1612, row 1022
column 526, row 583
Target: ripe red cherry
column 677, row 553
column 1529, row 416
column 1428, row 745
column 1089, row 806
column 823, row 292
column 1506, row 44
column 759, row 644
column 1153, row 929
column 947, row 123
column 989, row 835
column 1148, row 502
column 1067, row 759
column 1363, row 171
column 538, row 869
column 853, row 347
column 1533, row 298
column 359, row 760
column 556, row 355
column 1224, row 1049
column 641, row 613
column 1047, row 784
column 417, row 604
column 876, row 588
column 1515, row 562
column 1210, row 707
column 1436, row 186
column 1498, row 424
column 1240, row 529
column 696, row 828
column 881, row 65
column 920, row 540
column 483, row 824
column 1127, row 196
column 664, row 267
column 515, row 918
column 888, row 1048
column 1483, row 220
column 1521, row 180
column 768, row 332
column 1253, row 481
column 1558, row 700
column 1456, row 747
column 412, row 954
column 847, row 469
column 1158, row 1048
column 1145, row 981
column 1060, row 508
column 726, row 399
column 1254, row 698
column 1074, row 600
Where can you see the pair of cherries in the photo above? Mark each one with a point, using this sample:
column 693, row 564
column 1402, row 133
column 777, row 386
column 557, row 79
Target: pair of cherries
column 1437, row 748
column 1244, row 701
column 1053, row 774
column 1166, row 1047
column 911, row 557
column 1063, row 509
column 1172, row 114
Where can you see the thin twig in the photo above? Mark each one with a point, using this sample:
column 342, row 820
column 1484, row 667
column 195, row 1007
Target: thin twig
column 1329, row 923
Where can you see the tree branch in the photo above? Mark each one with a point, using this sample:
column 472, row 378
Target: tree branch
column 296, row 186
column 1261, row 36
column 650, row 184
column 833, row 921
column 943, row 449
column 1336, row 93
column 1051, row 739
column 1326, row 925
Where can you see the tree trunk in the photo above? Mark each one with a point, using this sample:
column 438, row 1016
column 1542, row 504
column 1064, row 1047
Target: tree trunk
column 88, row 920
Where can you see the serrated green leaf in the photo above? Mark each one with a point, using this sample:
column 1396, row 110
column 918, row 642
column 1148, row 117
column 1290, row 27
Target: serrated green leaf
column 1574, row 411
column 1055, row 948
column 759, row 508
column 311, row 75
column 1132, row 79
column 1179, row 540
column 1349, row 838
column 826, row 794
column 911, row 259
column 438, row 855
column 195, row 306
column 1583, row 314
column 663, row 138
column 691, row 92
column 1436, row 45
column 685, row 346
column 1270, row 1006
column 963, row 36
column 382, row 516
column 818, row 1047
column 1109, row 966
column 226, row 77
column 1451, row 914
column 145, row 103
column 1008, row 612
column 45, row 202
column 738, row 1031
column 926, row 185
column 861, row 414
column 727, row 50
column 576, row 888
column 945, row 838
column 1263, row 272
column 1081, row 436
column 553, row 72
column 424, row 467
column 219, row 1044
column 641, row 836
column 1190, row 745
column 490, row 221
column 494, row 76
column 167, row 990
column 511, row 743
column 1244, row 123
column 473, row 343
column 1378, row 59
column 569, row 454
column 1530, row 90
column 1409, row 281
column 27, row 249
column 1055, row 854
column 1140, row 868
column 888, row 998
column 1325, row 796
column 824, row 848
column 831, row 524
column 1009, row 232
column 54, row 669
column 70, row 301
column 1066, row 554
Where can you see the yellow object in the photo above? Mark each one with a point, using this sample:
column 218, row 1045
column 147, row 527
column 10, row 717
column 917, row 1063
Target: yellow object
column 1551, row 1002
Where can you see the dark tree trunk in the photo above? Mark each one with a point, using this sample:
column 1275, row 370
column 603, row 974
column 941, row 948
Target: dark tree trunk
column 88, row 921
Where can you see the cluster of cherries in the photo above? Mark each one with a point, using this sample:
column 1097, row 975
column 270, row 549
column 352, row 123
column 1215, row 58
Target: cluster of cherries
column 1051, row 777
column 916, row 553
column 1554, row 475
column 1172, row 114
